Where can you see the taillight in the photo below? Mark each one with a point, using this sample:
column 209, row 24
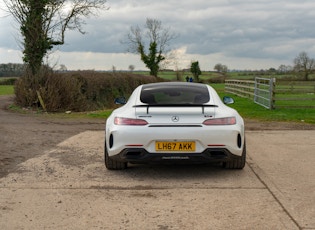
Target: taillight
column 129, row 121
column 221, row 121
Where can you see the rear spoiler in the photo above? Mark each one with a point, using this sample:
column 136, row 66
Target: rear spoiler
column 174, row 105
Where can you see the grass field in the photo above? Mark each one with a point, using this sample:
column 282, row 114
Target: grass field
column 6, row 90
column 246, row 107
column 171, row 75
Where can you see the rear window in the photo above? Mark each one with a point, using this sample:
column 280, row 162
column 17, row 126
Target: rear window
column 174, row 94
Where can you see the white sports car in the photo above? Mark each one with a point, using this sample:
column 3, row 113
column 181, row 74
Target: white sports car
column 175, row 122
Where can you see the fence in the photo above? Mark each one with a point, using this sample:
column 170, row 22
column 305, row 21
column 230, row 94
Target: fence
column 295, row 94
column 265, row 92
column 261, row 90
column 240, row 88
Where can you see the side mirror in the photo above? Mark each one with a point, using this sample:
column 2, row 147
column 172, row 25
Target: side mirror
column 120, row 101
column 228, row 100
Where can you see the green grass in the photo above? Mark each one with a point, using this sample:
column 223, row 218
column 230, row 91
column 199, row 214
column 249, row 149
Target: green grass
column 248, row 109
column 306, row 100
column 167, row 75
column 243, row 75
column 6, row 90
column 171, row 75
column 100, row 114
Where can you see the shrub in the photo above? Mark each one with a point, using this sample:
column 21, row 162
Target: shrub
column 26, row 87
column 7, row 81
column 76, row 91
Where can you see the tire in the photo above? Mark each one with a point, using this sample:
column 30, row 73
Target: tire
column 238, row 162
column 113, row 164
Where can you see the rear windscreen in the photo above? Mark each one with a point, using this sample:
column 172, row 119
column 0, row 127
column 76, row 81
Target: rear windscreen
column 177, row 94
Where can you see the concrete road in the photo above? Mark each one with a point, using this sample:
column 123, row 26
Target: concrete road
column 68, row 187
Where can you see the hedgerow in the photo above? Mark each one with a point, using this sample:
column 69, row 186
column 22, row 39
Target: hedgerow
column 76, row 91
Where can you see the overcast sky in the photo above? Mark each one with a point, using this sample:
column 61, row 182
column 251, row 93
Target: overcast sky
column 242, row 34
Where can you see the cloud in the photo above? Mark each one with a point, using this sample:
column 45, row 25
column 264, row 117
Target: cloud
column 95, row 61
column 260, row 33
column 10, row 56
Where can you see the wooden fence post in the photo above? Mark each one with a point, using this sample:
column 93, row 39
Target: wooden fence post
column 272, row 93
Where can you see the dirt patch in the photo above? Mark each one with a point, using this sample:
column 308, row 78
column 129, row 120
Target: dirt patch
column 252, row 125
column 25, row 136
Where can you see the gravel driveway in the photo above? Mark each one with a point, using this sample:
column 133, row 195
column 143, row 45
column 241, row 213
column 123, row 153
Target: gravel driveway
column 53, row 177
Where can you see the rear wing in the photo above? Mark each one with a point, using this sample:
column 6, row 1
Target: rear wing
column 166, row 108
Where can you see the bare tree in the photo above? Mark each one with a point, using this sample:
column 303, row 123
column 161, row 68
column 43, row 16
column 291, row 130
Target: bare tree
column 284, row 69
column 63, row 68
column 155, row 38
column 131, row 68
column 304, row 64
column 221, row 68
column 43, row 24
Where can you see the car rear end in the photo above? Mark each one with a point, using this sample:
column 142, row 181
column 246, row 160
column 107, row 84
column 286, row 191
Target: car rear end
column 164, row 125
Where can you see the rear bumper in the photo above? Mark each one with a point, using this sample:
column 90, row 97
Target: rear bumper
column 140, row 155
column 122, row 138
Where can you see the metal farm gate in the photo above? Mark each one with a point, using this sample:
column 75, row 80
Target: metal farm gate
column 264, row 92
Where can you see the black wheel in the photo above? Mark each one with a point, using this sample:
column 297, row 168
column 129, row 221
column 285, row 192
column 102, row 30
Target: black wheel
column 238, row 162
column 113, row 164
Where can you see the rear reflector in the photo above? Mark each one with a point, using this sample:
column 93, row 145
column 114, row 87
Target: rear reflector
column 220, row 121
column 129, row 121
